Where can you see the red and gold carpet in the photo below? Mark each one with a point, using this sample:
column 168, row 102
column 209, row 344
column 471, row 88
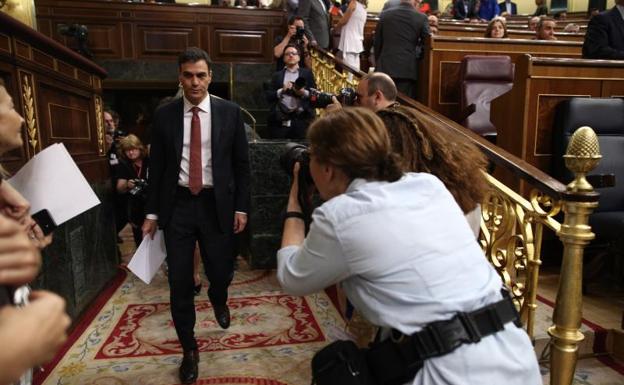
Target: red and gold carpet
column 271, row 340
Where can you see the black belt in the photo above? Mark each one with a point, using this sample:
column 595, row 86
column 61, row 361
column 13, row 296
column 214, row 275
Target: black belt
column 397, row 362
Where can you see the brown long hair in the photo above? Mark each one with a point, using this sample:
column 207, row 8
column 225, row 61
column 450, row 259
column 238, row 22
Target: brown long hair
column 490, row 26
column 427, row 146
column 356, row 141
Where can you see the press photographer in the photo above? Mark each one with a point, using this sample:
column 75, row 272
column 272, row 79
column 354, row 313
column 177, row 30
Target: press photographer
column 289, row 96
column 133, row 171
column 294, row 36
column 414, row 276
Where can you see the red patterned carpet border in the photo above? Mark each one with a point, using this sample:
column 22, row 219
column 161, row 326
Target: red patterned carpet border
column 131, row 338
column 82, row 324
column 238, row 380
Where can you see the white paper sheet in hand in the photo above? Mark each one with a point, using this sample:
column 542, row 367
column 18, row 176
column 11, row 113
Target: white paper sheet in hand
column 148, row 257
column 51, row 180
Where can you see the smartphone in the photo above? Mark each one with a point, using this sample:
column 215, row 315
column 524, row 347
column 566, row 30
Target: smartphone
column 45, row 221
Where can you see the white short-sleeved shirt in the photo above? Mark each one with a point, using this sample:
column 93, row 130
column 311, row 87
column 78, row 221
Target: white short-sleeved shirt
column 406, row 256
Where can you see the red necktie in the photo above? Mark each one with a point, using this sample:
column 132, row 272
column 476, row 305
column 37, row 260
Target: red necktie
column 195, row 158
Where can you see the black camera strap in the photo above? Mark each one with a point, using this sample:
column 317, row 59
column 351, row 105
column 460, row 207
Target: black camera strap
column 396, row 361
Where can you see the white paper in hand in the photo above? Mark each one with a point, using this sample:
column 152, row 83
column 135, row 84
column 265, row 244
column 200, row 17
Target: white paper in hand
column 148, row 257
column 51, row 180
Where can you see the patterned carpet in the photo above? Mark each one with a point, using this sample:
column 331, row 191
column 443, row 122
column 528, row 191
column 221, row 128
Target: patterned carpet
column 271, row 340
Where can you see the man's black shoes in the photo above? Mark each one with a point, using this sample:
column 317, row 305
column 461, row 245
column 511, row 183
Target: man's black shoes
column 222, row 314
column 188, row 368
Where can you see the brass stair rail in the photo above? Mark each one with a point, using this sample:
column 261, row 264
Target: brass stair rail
column 512, row 225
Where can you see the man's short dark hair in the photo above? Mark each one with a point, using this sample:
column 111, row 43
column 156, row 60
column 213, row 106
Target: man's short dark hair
column 542, row 20
column 382, row 82
column 292, row 19
column 193, row 55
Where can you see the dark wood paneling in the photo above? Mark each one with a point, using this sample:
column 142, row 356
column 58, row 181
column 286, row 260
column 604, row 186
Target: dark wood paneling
column 240, row 45
column 123, row 30
column 54, row 89
column 66, row 118
column 5, row 43
column 158, row 41
column 43, row 59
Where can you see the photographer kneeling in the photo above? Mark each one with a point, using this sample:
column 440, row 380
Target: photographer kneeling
column 380, row 234
column 133, row 171
column 288, row 94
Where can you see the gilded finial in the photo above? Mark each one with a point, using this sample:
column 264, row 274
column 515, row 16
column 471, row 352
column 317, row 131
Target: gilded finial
column 582, row 156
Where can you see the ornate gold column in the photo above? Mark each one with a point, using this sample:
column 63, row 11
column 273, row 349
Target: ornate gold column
column 22, row 10
column 582, row 156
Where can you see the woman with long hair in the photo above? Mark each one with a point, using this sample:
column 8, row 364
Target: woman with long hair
column 401, row 249
column 497, row 28
column 425, row 146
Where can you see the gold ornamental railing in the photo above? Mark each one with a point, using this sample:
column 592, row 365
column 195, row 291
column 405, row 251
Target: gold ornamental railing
column 512, row 226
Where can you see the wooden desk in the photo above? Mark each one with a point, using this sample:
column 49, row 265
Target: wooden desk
column 58, row 92
column 524, row 116
column 438, row 84
column 479, row 31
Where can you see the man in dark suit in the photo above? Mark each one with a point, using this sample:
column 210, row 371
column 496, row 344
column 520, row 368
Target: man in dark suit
column 461, row 9
column 316, row 20
column 198, row 192
column 288, row 94
column 604, row 38
column 508, row 7
column 399, row 37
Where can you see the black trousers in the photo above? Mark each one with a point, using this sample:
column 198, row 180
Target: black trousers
column 407, row 86
column 194, row 219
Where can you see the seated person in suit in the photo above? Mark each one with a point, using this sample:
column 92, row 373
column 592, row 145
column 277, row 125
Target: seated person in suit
column 497, row 28
column 288, row 94
column 508, row 8
column 604, row 38
column 546, row 29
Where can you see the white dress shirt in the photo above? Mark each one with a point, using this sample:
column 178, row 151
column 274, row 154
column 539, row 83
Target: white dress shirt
column 621, row 9
column 206, row 150
column 406, row 256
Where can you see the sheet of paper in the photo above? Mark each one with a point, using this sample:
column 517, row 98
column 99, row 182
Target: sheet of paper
column 148, row 257
column 51, row 180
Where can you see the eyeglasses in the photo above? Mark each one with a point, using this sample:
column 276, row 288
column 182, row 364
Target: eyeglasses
column 291, row 54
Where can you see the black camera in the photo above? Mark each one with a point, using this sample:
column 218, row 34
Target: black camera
column 299, row 34
column 140, row 185
column 294, row 153
column 319, row 99
column 119, row 134
column 80, row 33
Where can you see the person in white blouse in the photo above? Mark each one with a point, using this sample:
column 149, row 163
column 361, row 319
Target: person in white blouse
column 401, row 249
column 352, row 34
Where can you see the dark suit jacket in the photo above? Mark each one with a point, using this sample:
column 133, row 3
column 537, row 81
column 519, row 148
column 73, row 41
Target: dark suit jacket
column 503, row 8
column 230, row 160
column 459, row 9
column 316, row 21
column 277, row 82
column 399, row 37
column 604, row 38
